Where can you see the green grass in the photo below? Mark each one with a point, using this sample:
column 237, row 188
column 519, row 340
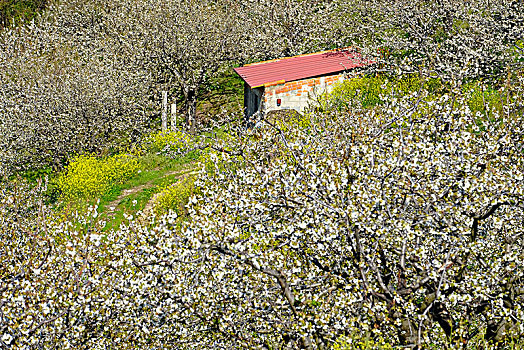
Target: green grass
column 156, row 172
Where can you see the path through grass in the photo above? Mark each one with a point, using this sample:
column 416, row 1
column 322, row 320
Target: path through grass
column 132, row 196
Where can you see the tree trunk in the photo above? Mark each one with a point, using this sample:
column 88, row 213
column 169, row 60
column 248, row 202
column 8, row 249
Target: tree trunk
column 190, row 104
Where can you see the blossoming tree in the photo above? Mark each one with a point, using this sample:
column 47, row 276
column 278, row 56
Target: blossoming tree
column 403, row 222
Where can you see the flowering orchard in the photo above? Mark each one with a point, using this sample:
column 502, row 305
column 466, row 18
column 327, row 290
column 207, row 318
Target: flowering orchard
column 66, row 89
column 399, row 221
column 408, row 227
column 86, row 76
column 448, row 39
column 403, row 222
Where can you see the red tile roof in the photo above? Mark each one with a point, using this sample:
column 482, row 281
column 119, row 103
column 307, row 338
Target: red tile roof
column 300, row 67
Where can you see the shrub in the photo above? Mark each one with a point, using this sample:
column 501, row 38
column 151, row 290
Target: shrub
column 484, row 98
column 367, row 90
column 88, row 176
column 285, row 121
column 168, row 141
column 175, row 196
column 355, row 342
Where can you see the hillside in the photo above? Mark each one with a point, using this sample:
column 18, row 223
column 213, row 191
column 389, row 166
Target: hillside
column 389, row 214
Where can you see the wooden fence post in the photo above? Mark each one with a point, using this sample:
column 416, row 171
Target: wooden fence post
column 173, row 116
column 164, row 110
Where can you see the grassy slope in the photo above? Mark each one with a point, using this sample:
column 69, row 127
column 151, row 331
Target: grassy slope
column 133, row 195
column 223, row 95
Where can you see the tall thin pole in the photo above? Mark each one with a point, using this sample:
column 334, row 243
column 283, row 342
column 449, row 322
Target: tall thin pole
column 173, row 116
column 164, row 110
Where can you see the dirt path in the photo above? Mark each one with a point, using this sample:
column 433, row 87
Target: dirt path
column 112, row 206
column 149, row 205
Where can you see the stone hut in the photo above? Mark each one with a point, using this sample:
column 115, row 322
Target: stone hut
column 291, row 82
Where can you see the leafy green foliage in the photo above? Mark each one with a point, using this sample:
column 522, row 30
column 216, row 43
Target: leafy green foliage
column 484, row 99
column 221, row 96
column 19, row 10
column 367, row 90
